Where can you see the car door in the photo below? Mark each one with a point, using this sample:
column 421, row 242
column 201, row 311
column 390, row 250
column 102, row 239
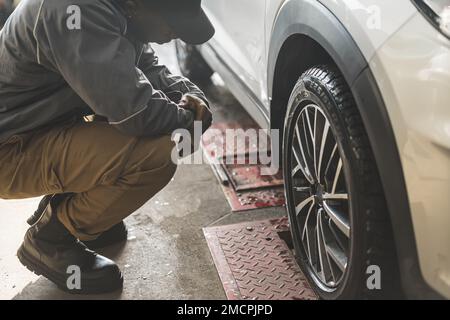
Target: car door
column 240, row 41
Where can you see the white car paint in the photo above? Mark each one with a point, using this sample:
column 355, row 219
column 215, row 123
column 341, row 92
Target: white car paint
column 245, row 50
column 371, row 22
column 413, row 72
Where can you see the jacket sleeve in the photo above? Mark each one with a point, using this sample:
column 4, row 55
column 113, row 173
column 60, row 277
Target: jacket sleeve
column 99, row 63
column 163, row 79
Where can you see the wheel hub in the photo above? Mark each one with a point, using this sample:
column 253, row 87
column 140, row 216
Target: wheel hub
column 318, row 196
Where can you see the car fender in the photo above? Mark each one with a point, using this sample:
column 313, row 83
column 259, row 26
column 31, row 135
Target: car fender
column 311, row 18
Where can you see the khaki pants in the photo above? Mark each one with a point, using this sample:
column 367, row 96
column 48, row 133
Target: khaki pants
column 109, row 175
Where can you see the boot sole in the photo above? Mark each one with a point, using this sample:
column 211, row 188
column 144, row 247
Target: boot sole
column 40, row 269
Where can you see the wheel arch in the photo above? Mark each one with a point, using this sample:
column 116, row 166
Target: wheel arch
column 312, row 36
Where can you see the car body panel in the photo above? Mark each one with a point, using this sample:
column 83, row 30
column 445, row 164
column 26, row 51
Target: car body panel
column 243, row 76
column 413, row 71
column 243, row 48
column 212, row 54
column 371, row 22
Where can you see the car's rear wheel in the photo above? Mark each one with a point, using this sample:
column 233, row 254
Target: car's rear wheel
column 192, row 64
column 335, row 202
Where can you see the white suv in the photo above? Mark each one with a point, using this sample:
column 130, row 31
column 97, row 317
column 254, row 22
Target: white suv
column 361, row 90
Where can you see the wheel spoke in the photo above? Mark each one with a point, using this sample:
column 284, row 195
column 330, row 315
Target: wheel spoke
column 314, row 143
column 313, row 244
column 322, row 147
column 336, row 176
column 304, row 126
column 331, row 159
column 319, row 253
column 325, row 242
column 308, row 121
column 337, row 255
column 302, row 166
column 306, row 233
column 312, row 132
column 337, row 196
column 338, row 219
column 303, row 204
column 341, row 239
column 296, row 170
column 298, row 167
column 303, row 189
column 305, row 227
column 325, row 270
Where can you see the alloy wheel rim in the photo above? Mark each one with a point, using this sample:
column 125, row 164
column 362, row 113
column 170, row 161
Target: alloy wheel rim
column 320, row 196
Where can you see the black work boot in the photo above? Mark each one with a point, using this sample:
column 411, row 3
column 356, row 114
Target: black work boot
column 116, row 234
column 49, row 249
column 41, row 207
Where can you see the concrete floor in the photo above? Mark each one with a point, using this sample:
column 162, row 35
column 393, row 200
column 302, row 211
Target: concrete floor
column 166, row 256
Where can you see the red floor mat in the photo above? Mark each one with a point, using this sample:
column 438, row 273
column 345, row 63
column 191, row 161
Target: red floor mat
column 255, row 263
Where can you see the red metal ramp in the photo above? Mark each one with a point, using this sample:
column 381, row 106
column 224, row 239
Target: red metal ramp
column 241, row 180
column 255, row 263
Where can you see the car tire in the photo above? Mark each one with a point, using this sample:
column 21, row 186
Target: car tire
column 337, row 211
column 192, row 64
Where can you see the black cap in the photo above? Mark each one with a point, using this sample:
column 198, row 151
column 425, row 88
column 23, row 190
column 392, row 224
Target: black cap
column 187, row 19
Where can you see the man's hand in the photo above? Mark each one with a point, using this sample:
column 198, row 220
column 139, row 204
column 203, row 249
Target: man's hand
column 201, row 113
column 200, row 109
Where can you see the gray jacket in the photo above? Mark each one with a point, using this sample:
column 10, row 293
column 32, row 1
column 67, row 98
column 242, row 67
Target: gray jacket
column 50, row 70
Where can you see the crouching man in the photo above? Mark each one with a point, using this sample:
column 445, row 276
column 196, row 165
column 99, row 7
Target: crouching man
column 61, row 61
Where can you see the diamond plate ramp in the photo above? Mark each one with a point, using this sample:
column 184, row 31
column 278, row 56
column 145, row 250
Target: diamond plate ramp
column 255, row 263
